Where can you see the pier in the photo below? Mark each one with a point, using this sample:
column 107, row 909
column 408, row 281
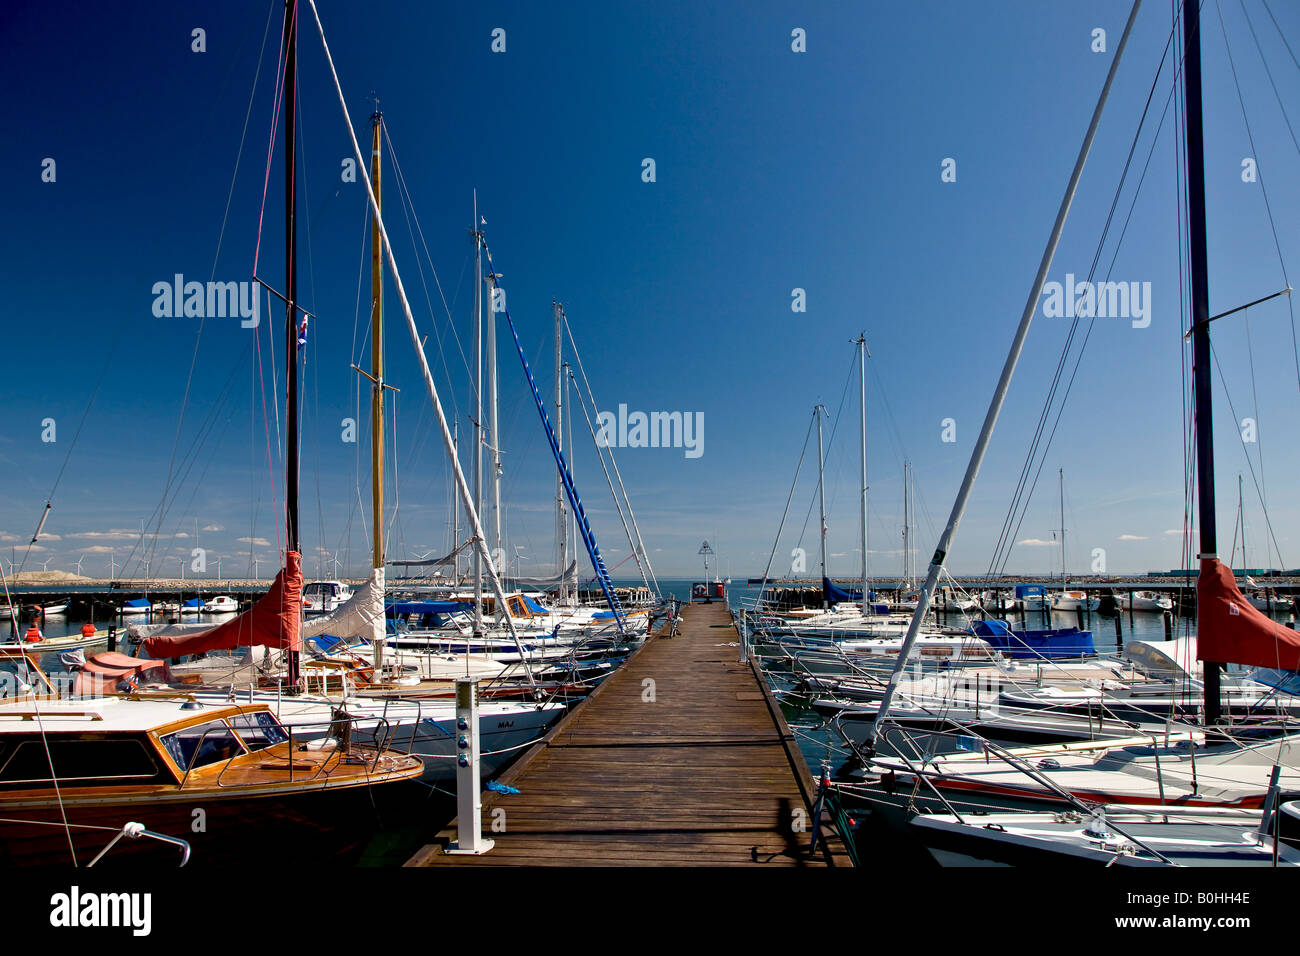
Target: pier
column 681, row 758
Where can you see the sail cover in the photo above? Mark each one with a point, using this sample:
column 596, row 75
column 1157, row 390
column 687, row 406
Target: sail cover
column 1231, row 630
column 361, row 615
column 838, row 595
column 274, row 621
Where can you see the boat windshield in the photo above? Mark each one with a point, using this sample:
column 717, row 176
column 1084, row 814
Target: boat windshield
column 259, row 730
column 202, row 744
column 18, row 678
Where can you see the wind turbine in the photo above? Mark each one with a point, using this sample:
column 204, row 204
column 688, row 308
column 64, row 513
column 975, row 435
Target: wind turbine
column 79, row 560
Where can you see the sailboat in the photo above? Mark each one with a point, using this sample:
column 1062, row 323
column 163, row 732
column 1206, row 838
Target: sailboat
column 1067, row 599
column 152, row 761
column 352, row 639
column 1205, row 766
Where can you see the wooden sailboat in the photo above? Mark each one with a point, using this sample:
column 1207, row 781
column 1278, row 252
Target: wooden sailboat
column 77, row 770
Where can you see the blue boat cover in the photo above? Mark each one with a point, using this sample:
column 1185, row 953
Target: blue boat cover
column 533, row 605
column 1057, row 642
column 1029, row 590
column 138, row 602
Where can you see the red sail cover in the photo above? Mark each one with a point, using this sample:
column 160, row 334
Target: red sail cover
column 103, row 673
column 275, row 620
column 1231, row 630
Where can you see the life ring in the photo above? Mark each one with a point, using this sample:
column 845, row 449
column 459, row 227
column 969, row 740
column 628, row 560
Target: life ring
column 88, row 630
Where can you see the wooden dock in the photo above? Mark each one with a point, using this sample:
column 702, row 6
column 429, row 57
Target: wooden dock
column 681, row 758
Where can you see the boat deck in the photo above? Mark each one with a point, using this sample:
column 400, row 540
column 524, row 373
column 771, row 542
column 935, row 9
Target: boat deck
column 681, row 758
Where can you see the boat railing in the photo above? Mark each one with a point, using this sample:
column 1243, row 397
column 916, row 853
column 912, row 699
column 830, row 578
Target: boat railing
column 339, row 728
column 136, row 831
column 891, row 733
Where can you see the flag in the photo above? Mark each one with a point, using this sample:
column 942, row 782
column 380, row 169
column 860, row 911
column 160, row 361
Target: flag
column 302, row 331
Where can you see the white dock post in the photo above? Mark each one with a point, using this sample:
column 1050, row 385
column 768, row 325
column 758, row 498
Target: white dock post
column 469, row 798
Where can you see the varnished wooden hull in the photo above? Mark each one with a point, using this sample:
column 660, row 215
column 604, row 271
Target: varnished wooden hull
column 308, row 827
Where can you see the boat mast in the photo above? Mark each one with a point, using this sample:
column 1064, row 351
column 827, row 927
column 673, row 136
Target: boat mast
column 376, row 353
column 862, row 374
column 478, row 414
column 821, row 497
column 455, row 509
column 561, row 516
column 1061, row 482
column 573, row 516
column 291, row 299
column 1241, row 515
column 1198, row 265
column 494, row 464
column 907, row 545
column 999, row 393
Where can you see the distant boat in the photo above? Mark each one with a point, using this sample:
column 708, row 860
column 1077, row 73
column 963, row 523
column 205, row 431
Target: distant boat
column 224, row 604
column 1074, row 601
column 192, row 606
column 321, row 597
column 1145, row 601
column 138, row 606
column 54, row 608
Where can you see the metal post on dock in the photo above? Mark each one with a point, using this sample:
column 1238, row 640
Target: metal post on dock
column 469, row 800
column 744, row 639
column 112, row 637
column 1119, row 634
column 1169, row 625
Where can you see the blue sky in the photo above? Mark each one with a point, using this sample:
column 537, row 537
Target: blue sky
column 775, row 170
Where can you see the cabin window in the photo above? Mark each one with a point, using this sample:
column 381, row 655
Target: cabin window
column 259, row 730
column 19, row 679
column 202, row 744
column 77, row 761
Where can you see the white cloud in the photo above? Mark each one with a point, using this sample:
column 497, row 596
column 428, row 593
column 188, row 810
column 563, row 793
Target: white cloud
column 214, row 527
column 260, row 542
column 1132, row 537
column 1036, row 543
column 116, row 534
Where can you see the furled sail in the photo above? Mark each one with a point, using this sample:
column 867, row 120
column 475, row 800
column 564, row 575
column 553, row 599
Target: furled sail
column 361, row 615
column 569, row 577
column 274, row 621
column 1231, row 630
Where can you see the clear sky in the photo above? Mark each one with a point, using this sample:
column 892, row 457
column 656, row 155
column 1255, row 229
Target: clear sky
column 775, row 170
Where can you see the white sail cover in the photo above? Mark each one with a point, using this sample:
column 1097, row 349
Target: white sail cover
column 1174, row 659
column 361, row 615
column 138, row 632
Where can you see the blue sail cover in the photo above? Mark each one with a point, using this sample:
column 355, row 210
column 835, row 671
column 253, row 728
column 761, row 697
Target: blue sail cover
column 838, row 595
column 1029, row 590
column 1053, row 643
